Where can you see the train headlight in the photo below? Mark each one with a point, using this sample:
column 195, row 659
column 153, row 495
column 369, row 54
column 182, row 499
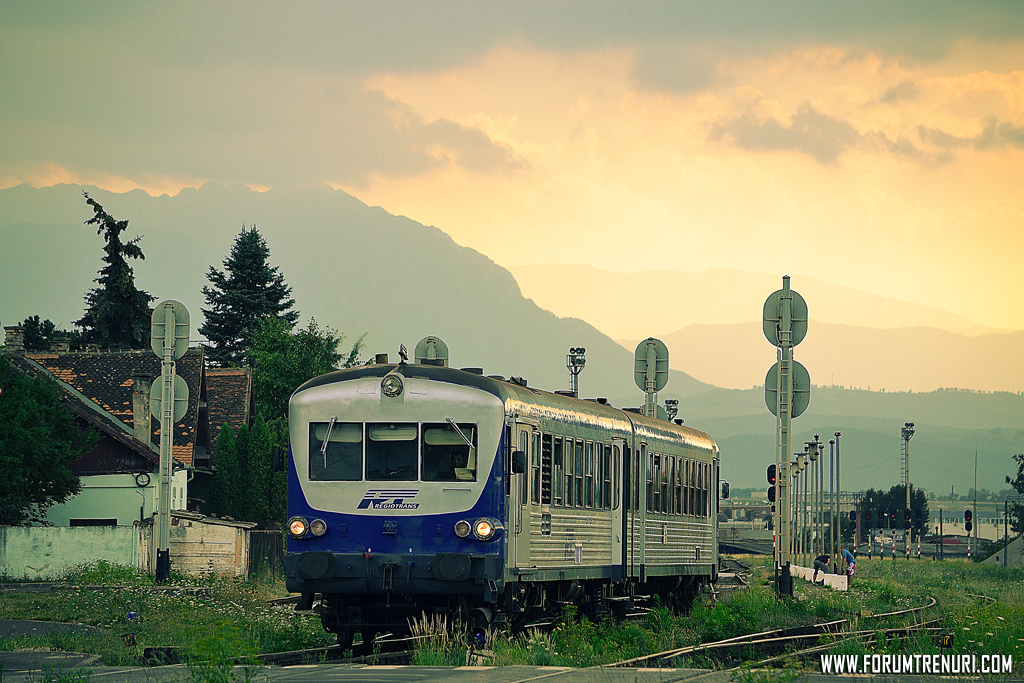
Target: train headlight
column 298, row 527
column 392, row 384
column 462, row 528
column 318, row 527
column 486, row 528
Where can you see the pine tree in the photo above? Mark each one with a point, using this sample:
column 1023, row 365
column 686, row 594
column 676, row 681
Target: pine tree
column 117, row 314
column 247, row 290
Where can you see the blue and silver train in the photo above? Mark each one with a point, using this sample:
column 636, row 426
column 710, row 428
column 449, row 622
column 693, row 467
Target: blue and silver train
column 419, row 488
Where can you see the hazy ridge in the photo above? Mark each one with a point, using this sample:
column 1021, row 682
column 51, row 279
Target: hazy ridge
column 361, row 270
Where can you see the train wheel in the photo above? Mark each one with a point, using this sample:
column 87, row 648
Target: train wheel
column 345, row 637
column 365, row 648
column 479, row 626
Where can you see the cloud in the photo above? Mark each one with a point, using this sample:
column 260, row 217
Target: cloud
column 994, row 136
column 904, row 92
column 808, row 131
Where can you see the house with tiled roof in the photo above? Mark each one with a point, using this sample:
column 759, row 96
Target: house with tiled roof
column 111, row 392
column 230, row 400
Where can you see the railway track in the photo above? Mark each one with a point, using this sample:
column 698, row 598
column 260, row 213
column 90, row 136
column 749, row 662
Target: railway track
column 779, row 640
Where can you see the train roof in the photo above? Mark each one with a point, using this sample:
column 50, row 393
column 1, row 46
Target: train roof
column 511, row 389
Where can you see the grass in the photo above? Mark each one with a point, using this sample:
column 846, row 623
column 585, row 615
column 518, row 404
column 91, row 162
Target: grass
column 208, row 619
column 218, row 622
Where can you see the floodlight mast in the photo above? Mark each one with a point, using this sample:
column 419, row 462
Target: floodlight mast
column 907, row 432
column 575, row 361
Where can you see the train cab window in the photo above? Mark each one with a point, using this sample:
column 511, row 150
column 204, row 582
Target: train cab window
column 446, row 455
column 335, row 451
column 391, row 451
column 556, row 471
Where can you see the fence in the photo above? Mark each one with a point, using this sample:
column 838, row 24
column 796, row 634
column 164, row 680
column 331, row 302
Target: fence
column 266, row 552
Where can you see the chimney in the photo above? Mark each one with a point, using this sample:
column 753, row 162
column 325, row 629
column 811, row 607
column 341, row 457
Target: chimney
column 15, row 340
column 141, row 386
column 60, row 344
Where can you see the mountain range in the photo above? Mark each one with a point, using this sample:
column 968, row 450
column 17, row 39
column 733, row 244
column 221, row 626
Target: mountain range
column 361, row 271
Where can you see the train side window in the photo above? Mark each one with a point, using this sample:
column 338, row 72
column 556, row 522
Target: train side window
column 678, row 484
column 704, row 488
column 639, row 459
column 578, row 472
column 693, row 487
column 666, row 505
column 524, row 487
column 570, row 499
column 616, row 473
column 391, row 451
column 545, row 469
column 341, row 457
column 588, row 471
column 686, row 486
column 707, row 489
column 556, row 471
column 535, row 470
column 446, row 456
column 652, row 464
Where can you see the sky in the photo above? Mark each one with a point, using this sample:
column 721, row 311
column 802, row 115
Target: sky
column 874, row 145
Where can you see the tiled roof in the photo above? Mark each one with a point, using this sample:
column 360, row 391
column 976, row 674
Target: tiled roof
column 106, row 379
column 230, row 399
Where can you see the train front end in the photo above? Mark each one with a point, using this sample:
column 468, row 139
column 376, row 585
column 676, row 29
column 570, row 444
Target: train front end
column 395, row 497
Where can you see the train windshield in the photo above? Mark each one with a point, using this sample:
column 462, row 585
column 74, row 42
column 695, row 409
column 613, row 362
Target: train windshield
column 446, row 455
column 335, row 451
column 392, row 451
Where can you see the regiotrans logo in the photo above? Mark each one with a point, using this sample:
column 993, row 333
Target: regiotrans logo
column 388, row 499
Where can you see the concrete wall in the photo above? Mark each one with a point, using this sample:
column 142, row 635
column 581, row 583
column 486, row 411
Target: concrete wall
column 199, row 545
column 205, row 546
column 47, row 553
column 118, row 496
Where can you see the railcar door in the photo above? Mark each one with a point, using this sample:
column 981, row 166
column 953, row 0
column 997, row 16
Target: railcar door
column 519, row 544
column 616, row 501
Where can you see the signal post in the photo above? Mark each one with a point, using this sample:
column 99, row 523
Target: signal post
column 787, row 394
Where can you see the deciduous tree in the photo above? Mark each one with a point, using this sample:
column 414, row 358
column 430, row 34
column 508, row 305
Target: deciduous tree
column 282, row 360
column 38, row 440
column 1017, row 509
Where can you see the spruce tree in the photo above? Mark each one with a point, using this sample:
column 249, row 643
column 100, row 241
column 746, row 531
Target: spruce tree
column 247, row 290
column 117, row 314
